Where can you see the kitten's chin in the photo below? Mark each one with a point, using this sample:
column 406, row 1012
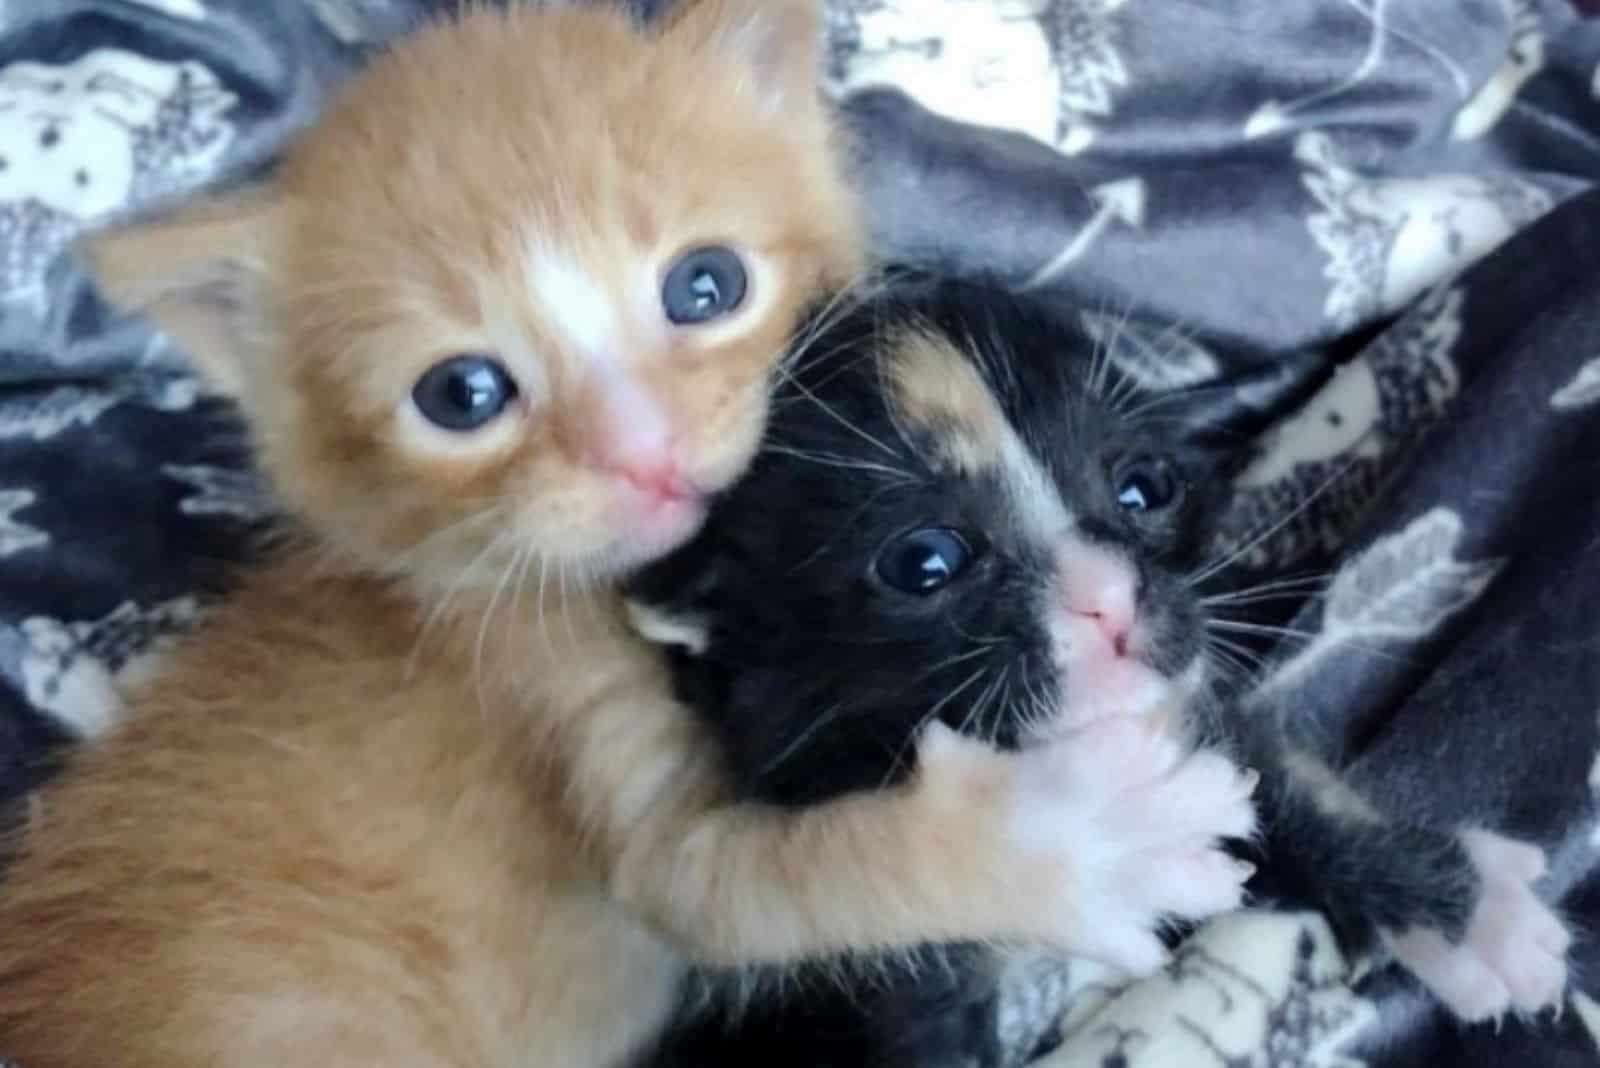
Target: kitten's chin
column 654, row 527
column 1124, row 687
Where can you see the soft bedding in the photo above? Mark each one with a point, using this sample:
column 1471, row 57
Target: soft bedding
column 1368, row 220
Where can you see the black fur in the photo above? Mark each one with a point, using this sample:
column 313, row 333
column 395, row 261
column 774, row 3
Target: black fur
column 1363, row 875
column 794, row 622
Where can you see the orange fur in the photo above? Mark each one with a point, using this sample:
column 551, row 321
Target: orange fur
column 405, row 799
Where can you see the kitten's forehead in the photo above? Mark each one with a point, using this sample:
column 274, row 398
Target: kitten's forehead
column 519, row 182
column 935, row 389
column 456, row 143
column 943, row 402
column 580, row 306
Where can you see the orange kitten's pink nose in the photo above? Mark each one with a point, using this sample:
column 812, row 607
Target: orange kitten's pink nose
column 658, row 476
column 628, row 433
column 1101, row 588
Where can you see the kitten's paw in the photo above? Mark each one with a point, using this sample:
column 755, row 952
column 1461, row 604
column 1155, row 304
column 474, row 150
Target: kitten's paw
column 1114, row 827
column 1513, row 954
column 1148, row 840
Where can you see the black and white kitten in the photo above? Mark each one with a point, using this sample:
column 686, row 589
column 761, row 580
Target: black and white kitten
column 960, row 514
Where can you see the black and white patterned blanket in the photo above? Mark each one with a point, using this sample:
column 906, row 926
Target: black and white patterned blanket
column 1368, row 216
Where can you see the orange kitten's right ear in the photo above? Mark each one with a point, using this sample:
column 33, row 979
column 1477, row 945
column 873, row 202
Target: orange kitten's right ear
column 201, row 275
column 780, row 41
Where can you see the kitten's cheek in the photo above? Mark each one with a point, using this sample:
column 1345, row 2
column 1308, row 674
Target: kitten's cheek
column 727, row 449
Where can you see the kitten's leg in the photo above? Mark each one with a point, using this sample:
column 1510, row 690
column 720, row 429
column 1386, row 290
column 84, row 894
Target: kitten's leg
column 1512, row 954
column 1457, row 910
column 1086, row 844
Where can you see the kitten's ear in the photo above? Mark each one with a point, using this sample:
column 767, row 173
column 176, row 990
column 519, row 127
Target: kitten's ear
column 779, row 40
column 201, row 274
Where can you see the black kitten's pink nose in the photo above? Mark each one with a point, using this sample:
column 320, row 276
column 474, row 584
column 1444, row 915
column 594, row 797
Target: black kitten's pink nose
column 1102, row 588
column 1115, row 629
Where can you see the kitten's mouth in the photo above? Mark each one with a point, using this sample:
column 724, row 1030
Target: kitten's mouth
column 658, row 512
column 1100, row 682
column 655, row 523
column 664, row 499
column 1125, row 687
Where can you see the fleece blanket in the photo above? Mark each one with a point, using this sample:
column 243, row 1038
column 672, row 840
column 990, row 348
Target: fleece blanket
column 1367, row 219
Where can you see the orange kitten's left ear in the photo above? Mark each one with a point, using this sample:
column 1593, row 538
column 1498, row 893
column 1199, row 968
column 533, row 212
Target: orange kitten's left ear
column 779, row 40
column 202, row 275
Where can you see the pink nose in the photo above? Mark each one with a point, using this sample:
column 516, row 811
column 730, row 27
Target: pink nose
column 655, row 473
column 1115, row 629
column 1101, row 587
column 628, row 433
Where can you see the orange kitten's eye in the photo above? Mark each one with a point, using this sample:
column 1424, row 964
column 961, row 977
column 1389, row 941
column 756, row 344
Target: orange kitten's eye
column 705, row 284
column 464, row 392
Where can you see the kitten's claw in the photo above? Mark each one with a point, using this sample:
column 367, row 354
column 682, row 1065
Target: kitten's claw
column 1513, row 954
column 1114, row 825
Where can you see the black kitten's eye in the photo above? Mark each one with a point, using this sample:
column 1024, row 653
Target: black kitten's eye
column 463, row 392
column 1146, row 485
column 703, row 285
column 923, row 561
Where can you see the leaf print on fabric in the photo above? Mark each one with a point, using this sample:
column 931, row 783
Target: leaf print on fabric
column 1158, row 358
column 1318, row 469
column 15, row 535
column 1401, row 588
column 1044, row 68
column 183, row 9
column 1582, row 391
column 69, row 670
column 1249, row 990
column 1083, row 38
column 1035, row 992
column 1524, row 59
column 221, row 491
column 357, row 21
column 85, row 139
column 1385, row 39
column 1594, row 797
column 1337, row 422
column 1389, row 239
column 1406, row 584
column 989, row 63
column 1117, row 201
column 39, row 417
column 1588, row 1015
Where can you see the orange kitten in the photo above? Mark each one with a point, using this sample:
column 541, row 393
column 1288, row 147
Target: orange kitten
column 414, row 795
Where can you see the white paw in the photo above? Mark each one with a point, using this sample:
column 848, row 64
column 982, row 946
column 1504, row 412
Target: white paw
column 1513, row 954
column 1117, row 828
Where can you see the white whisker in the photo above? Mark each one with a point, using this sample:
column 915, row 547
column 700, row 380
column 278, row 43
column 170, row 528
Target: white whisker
column 483, row 627
column 845, row 463
column 1322, row 488
column 929, row 717
column 827, row 717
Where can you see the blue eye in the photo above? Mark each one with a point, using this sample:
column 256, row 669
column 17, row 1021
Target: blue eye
column 705, row 284
column 1146, row 486
column 923, row 561
column 464, row 393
